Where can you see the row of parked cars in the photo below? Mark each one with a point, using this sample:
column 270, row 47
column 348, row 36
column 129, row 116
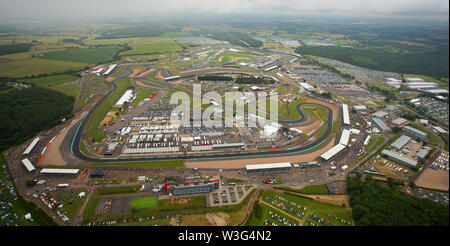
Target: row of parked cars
column 140, row 219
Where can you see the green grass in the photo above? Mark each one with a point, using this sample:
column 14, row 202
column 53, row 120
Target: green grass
column 317, row 112
column 52, row 80
column 293, row 113
column 36, row 66
column 84, row 55
column 118, row 72
column 143, row 94
column 143, row 46
column 76, row 202
column 374, row 142
column 235, row 181
column 69, row 90
column 146, row 202
column 430, row 136
column 309, row 189
column 95, row 130
column 313, row 206
column 117, row 190
column 255, row 221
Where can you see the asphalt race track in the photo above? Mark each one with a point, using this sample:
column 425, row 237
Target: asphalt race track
column 75, row 143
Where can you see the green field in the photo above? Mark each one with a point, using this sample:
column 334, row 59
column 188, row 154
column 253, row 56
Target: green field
column 37, row 66
column 313, row 206
column 84, row 55
column 141, row 46
column 318, row 112
column 143, row 94
column 117, row 190
column 309, row 189
column 146, row 202
column 95, row 130
column 52, row 80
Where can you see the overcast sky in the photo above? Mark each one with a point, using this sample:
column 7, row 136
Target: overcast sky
column 82, row 9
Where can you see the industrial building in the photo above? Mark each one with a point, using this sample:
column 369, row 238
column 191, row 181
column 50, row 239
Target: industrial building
column 398, row 158
column 399, row 121
column 422, row 153
column 192, row 187
column 125, row 98
column 307, row 87
column 59, row 171
column 380, row 114
column 400, row 142
column 172, row 78
column 437, row 91
column 110, row 69
column 31, row 146
column 345, row 114
column 439, row 130
column 345, row 136
column 415, row 132
column 380, row 124
column 360, row 108
column 27, row 164
column 332, row 152
column 269, row 168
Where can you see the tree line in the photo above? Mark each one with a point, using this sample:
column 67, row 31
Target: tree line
column 377, row 205
column 26, row 112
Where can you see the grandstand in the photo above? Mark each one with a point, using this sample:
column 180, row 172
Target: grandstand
column 269, row 168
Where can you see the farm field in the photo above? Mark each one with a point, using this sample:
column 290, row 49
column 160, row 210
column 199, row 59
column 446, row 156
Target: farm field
column 95, row 130
column 140, row 46
column 36, row 66
column 49, row 81
column 85, row 55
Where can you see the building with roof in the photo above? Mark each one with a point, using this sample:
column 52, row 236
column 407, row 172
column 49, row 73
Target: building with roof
column 192, row 187
column 423, row 122
column 439, row 130
column 269, row 168
column 307, row 86
column 399, row 159
column 59, row 171
column 27, row 164
column 31, row 146
column 414, row 80
column 125, row 98
column 437, row 91
column 380, row 114
column 400, row 142
column 381, row 125
column 345, row 136
column 360, row 108
column 414, row 132
column 345, row 114
column 332, row 152
column 399, row 121
column 110, row 69
column 422, row 153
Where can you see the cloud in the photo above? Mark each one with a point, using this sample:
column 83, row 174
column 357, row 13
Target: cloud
column 47, row 9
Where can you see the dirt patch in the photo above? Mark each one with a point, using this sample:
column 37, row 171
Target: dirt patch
column 218, row 219
column 109, row 116
column 182, row 201
column 434, row 179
